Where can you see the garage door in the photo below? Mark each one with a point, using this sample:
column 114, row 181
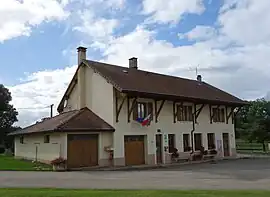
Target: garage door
column 82, row 151
column 134, row 150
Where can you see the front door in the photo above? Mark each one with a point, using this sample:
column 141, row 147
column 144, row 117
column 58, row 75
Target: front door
column 226, row 146
column 159, row 148
column 134, row 150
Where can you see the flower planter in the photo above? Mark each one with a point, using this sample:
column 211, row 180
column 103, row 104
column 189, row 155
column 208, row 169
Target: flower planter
column 59, row 168
column 59, row 164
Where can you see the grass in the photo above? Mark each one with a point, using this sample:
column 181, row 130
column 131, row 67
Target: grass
column 11, row 164
column 129, row 193
column 246, row 147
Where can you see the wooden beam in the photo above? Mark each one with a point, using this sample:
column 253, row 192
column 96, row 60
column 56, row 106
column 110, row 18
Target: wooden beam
column 230, row 114
column 235, row 113
column 174, row 116
column 118, row 108
column 210, row 113
column 197, row 112
column 157, row 110
column 130, row 109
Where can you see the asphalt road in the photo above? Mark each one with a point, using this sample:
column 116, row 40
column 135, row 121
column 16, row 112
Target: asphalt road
column 234, row 174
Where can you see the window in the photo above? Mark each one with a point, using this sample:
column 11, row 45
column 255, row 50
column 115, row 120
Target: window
column 143, row 110
column 21, row 140
column 184, row 113
column 186, row 142
column 218, row 115
column 46, row 139
column 171, row 142
column 198, row 141
column 211, row 140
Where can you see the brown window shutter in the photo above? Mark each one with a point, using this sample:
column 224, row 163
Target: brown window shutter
column 190, row 113
column 185, row 113
column 179, row 113
column 222, row 115
column 150, row 110
column 215, row 114
column 135, row 111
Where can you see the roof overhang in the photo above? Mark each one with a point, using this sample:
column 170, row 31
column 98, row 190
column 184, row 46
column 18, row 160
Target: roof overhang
column 175, row 98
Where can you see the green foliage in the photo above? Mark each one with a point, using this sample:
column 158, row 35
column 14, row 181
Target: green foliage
column 253, row 122
column 8, row 114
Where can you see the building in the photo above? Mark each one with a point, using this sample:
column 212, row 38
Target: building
column 112, row 115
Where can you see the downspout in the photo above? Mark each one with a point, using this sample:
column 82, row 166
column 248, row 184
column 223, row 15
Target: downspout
column 192, row 132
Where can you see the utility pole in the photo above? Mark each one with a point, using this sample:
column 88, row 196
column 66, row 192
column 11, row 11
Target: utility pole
column 51, row 110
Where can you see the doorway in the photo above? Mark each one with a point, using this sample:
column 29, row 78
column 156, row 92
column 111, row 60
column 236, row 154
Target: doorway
column 159, row 148
column 226, row 146
column 134, row 150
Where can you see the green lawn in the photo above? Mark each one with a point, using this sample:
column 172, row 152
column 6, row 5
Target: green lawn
column 246, row 147
column 125, row 193
column 9, row 163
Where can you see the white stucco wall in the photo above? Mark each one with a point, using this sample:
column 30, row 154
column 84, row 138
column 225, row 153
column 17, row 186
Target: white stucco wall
column 102, row 98
column 166, row 125
column 98, row 93
column 34, row 147
column 72, row 102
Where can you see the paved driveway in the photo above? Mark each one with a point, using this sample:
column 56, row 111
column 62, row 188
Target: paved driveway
column 237, row 174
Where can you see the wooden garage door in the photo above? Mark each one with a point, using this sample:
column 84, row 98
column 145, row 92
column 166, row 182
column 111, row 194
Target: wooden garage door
column 134, row 150
column 82, row 150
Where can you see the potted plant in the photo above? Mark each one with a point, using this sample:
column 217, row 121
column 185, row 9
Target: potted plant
column 59, row 164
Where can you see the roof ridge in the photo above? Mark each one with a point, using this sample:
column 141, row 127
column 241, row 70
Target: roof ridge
column 151, row 72
column 45, row 120
column 64, row 122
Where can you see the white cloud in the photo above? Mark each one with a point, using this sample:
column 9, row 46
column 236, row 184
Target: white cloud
column 39, row 90
column 97, row 28
column 246, row 22
column 199, row 33
column 17, row 18
column 171, row 11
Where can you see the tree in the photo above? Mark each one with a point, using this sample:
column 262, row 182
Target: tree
column 253, row 122
column 8, row 114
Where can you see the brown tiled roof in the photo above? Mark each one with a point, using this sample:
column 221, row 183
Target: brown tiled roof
column 75, row 120
column 164, row 86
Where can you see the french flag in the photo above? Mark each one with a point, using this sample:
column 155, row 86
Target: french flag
column 144, row 121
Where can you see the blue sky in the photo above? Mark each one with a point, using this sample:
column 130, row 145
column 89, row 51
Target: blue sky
column 227, row 39
column 43, row 48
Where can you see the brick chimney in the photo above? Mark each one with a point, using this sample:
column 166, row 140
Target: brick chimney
column 81, row 54
column 199, row 78
column 133, row 63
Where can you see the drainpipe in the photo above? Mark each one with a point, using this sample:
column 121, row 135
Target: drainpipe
column 192, row 132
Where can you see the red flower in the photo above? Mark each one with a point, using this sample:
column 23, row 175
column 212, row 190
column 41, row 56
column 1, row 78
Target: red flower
column 58, row 161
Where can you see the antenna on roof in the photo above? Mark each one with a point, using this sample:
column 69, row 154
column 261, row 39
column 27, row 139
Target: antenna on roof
column 196, row 70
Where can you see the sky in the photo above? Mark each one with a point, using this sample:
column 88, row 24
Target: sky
column 227, row 40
